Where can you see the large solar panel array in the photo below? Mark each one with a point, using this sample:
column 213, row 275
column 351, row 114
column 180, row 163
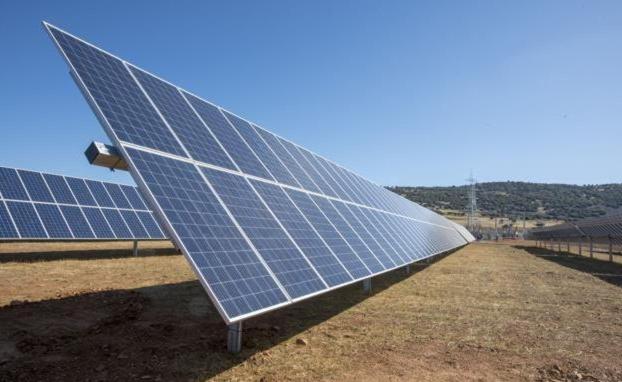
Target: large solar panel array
column 41, row 206
column 600, row 229
column 263, row 221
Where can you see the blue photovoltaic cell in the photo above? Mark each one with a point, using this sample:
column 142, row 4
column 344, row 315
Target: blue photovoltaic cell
column 150, row 224
column 121, row 101
column 53, row 221
column 309, row 169
column 328, row 176
column 35, row 185
column 388, row 234
column 233, row 272
column 99, row 193
column 98, row 223
column 381, row 240
column 229, row 138
column 10, row 185
column 134, row 223
column 81, row 191
column 194, row 136
column 282, row 256
column 133, row 197
column 287, row 159
column 327, row 231
column 7, row 229
column 303, row 234
column 117, row 224
column 364, row 234
column 77, row 223
column 349, row 235
column 26, row 220
column 265, row 154
column 59, row 188
column 117, row 195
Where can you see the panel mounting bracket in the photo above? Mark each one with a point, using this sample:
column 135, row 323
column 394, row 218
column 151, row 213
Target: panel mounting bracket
column 101, row 154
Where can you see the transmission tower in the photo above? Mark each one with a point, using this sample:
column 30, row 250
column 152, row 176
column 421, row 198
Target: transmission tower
column 472, row 206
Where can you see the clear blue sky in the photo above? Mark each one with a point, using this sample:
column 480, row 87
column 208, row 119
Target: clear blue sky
column 409, row 92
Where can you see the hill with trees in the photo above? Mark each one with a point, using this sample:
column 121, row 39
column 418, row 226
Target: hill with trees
column 522, row 199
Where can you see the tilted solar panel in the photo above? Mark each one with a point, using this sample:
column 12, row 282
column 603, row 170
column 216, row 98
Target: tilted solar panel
column 263, row 221
column 39, row 206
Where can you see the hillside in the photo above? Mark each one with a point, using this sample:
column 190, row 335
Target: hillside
column 518, row 199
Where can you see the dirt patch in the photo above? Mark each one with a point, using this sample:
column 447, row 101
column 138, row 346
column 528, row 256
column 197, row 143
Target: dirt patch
column 487, row 312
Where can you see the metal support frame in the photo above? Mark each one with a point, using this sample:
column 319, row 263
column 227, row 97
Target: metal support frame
column 580, row 247
column 234, row 337
column 135, row 249
column 367, row 285
column 568, row 247
column 407, row 269
column 559, row 246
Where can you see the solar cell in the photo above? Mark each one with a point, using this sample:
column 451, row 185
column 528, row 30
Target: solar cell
column 195, row 137
column 53, row 221
column 26, row 220
column 233, row 143
column 99, row 193
column 261, row 149
column 118, row 96
column 77, row 222
column 117, row 195
column 308, row 240
column 288, row 263
column 80, row 191
column 35, row 185
column 131, row 194
column 262, row 221
column 60, row 189
column 11, row 186
column 98, row 223
column 118, row 225
column 7, row 228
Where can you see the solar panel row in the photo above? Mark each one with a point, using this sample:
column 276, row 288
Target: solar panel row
column 264, row 222
column 35, row 205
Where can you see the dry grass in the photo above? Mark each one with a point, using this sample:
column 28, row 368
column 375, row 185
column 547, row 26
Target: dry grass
column 486, row 312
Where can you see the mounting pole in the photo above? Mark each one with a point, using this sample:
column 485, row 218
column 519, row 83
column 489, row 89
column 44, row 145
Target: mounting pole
column 568, row 247
column 610, row 250
column 407, row 269
column 591, row 248
column 580, row 247
column 234, row 337
column 135, row 249
column 367, row 285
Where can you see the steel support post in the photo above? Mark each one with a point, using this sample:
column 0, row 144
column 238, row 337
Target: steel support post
column 591, row 248
column 580, row 247
column 568, row 247
column 610, row 250
column 367, row 285
column 234, row 337
column 135, row 249
column 407, row 269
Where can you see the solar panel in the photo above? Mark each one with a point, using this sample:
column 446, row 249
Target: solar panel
column 40, row 206
column 262, row 221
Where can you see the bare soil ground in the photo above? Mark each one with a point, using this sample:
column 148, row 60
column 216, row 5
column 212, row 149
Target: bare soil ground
column 486, row 312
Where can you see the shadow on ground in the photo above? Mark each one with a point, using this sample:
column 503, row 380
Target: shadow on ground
column 604, row 270
column 166, row 332
column 83, row 254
